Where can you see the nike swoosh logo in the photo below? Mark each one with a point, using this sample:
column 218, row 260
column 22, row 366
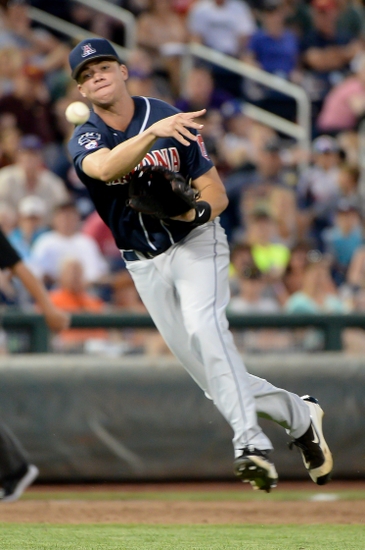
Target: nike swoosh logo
column 201, row 213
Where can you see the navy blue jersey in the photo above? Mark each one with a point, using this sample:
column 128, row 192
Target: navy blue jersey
column 133, row 230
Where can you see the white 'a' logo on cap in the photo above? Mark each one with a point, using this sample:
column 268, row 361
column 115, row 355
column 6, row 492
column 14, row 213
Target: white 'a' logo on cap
column 87, row 49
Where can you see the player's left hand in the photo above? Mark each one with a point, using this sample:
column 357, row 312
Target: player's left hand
column 57, row 319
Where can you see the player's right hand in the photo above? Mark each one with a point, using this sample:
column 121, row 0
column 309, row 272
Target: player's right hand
column 177, row 126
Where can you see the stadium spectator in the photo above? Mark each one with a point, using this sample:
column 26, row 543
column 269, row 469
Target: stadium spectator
column 200, row 93
column 8, row 217
column 270, row 256
column 275, row 49
column 71, row 295
column 61, row 165
column 138, row 6
column 318, row 190
column 351, row 18
column 236, row 145
column 66, row 241
column 11, row 63
column 28, row 176
column 348, row 181
column 95, row 21
column 95, row 228
column 344, row 105
column 126, row 300
column 40, row 49
column 273, row 188
column 28, row 107
column 240, row 259
column 163, row 32
column 292, row 279
column 343, row 239
column 356, row 271
column 253, row 298
column 143, row 79
column 9, row 145
column 349, row 144
column 31, row 224
column 326, row 52
column 266, row 181
column 318, row 293
column 298, row 17
column 224, row 25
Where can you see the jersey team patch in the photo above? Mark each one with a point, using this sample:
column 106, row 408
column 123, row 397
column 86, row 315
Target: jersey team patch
column 89, row 140
column 202, row 147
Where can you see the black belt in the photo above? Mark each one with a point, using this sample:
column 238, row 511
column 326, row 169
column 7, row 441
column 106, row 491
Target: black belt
column 131, row 256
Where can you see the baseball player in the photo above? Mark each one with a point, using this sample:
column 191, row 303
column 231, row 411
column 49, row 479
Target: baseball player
column 180, row 265
column 16, row 473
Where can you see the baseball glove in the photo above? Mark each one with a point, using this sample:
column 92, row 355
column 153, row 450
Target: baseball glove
column 159, row 192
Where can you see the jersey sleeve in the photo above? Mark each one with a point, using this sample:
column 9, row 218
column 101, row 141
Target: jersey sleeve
column 8, row 255
column 86, row 139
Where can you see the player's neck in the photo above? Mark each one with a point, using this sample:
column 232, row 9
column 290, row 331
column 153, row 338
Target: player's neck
column 117, row 116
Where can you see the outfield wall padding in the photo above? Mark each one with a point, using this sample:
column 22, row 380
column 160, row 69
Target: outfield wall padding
column 131, row 418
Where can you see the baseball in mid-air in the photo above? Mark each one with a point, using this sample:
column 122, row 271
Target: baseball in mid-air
column 77, row 113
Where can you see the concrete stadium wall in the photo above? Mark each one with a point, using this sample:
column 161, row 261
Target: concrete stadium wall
column 97, row 418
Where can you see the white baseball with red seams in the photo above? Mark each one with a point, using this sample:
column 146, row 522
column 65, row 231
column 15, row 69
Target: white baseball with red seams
column 77, row 113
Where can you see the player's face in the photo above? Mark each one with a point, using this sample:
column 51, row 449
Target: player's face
column 102, row 82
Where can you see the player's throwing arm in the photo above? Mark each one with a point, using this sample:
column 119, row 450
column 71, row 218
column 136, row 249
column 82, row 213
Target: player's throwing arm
column 109, row 164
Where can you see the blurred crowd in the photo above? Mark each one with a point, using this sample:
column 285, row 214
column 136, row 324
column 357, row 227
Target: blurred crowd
column 295, row 218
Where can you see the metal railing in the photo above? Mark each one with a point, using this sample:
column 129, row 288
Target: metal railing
column 331, row 325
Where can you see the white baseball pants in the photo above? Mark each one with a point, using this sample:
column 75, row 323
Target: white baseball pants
column 186, row 292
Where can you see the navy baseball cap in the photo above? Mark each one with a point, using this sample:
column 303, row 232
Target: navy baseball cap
column 90, row 49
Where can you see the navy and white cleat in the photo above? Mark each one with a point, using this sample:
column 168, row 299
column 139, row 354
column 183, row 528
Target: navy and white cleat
column 317, row 457
column 254, row 467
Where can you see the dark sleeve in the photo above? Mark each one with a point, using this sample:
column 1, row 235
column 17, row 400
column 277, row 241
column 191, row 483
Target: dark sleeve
column 86, row 140
column 8, row 255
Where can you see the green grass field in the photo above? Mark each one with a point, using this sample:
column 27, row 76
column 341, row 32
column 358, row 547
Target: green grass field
column 45, row 536
column 182, row 537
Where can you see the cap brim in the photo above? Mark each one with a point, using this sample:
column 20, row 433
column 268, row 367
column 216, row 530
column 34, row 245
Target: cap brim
column 80, row 66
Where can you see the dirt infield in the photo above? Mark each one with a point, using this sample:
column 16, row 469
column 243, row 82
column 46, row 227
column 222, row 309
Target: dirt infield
column 186, row 512
column 152, row 512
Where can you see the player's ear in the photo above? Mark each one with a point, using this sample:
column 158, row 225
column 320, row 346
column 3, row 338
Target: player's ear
column 124, row 71
column 79, row 87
